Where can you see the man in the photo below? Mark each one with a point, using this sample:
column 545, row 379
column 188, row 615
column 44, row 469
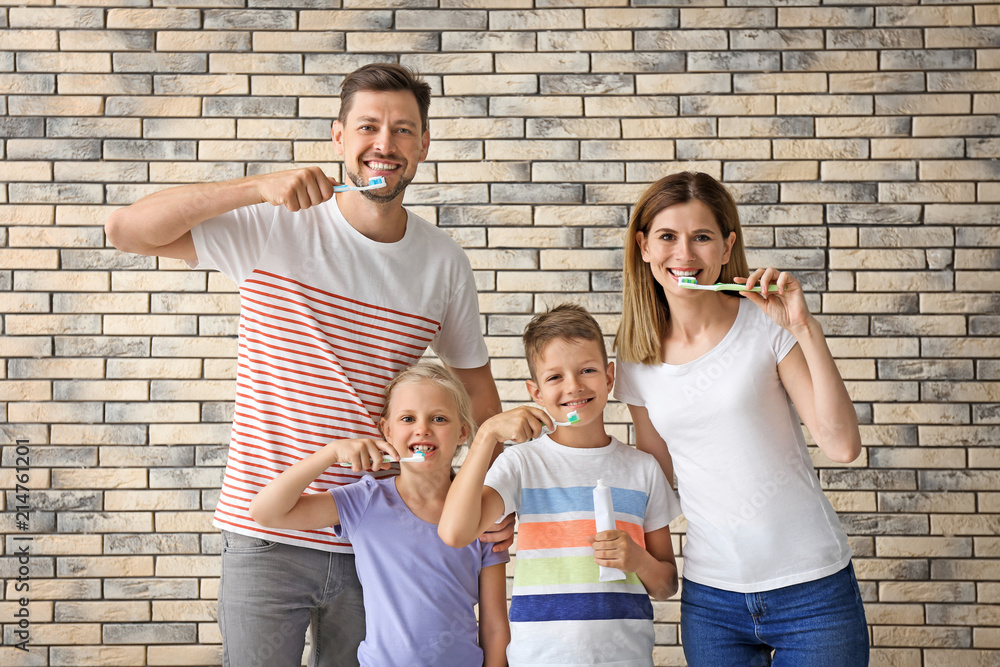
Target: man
column 338, row 294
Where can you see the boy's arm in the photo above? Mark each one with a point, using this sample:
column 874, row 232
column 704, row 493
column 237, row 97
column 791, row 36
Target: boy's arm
column 494, row 628
column 281, row 504
column 654, row 565
column 471, row 507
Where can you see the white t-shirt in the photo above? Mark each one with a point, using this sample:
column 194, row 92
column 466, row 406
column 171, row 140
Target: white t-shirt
column 327, row 318
column 560, row 613
column 757, row 517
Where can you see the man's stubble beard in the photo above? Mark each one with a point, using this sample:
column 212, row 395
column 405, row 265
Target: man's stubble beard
column 379, row 196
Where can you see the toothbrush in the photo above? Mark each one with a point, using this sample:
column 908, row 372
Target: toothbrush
column 416, row 458
column 692, row 283
column 373, row 184
column 571, row 418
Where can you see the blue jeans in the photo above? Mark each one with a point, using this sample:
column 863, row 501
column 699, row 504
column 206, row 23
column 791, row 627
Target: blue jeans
column 814, row 624
column 270, row 593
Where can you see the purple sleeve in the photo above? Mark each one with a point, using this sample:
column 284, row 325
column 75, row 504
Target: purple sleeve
column 490, row 558
column 352, row 502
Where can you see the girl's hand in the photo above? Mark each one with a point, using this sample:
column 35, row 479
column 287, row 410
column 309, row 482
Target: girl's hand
column 363, row 453
column 520, row 425
column 787, row 307
column 617, row 549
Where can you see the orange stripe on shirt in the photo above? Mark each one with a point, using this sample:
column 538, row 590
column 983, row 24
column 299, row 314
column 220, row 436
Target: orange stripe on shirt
column 568, row 534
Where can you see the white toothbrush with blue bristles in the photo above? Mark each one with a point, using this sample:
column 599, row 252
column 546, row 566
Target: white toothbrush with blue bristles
column 692, row 283
column 571, row 418
column 416, row 458
column 373, row 184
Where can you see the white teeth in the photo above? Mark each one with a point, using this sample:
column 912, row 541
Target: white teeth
column 382, row 166
column 422, row 448
column 683, row 274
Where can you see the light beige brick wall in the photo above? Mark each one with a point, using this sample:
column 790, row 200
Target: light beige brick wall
column 861, row 139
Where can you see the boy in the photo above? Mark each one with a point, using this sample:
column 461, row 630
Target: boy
column 560, row 612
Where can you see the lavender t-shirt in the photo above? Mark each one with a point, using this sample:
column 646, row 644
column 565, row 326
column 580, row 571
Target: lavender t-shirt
column 419, row 593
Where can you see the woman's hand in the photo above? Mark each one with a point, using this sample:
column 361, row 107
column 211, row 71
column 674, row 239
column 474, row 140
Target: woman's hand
column 787, row 307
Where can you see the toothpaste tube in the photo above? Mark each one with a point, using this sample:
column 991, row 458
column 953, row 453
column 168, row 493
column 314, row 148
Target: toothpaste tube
column 604, row 515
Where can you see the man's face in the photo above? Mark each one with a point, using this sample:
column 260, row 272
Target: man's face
column 381, row 137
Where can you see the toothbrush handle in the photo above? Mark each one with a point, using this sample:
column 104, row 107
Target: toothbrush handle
column 545, row 431
column 741, row 288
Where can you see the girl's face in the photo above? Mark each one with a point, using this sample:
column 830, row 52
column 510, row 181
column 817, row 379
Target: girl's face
column 685, row 240
column 423, row 417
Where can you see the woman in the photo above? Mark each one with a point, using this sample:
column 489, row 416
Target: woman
column 716, row 384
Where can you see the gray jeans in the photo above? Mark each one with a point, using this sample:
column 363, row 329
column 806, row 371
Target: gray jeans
column 271, row 592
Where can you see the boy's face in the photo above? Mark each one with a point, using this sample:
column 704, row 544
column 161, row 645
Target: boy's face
column 570, row 374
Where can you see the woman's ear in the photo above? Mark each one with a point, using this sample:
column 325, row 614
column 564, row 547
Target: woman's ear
column 640, row 240
column 730, row 242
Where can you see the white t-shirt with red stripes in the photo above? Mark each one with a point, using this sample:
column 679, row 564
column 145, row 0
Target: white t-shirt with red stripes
column 327, row 318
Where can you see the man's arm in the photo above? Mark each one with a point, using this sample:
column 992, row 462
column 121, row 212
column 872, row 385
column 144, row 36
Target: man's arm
column 478, row 382
column 160, row 224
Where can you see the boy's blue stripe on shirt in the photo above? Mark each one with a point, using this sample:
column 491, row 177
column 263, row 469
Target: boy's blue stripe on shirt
column 580, row 607
column 581, row 499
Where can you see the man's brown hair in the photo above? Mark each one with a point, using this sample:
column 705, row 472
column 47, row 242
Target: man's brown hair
column 567, row 321
column 381, row 77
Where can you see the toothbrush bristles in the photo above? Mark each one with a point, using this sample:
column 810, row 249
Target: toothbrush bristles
column 573, row 417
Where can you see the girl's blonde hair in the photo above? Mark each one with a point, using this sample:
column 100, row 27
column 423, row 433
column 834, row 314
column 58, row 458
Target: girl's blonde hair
column 644, row 307
column 428, row 371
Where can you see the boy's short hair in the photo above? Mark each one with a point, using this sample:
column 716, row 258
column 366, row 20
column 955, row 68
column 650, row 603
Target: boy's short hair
column 567, row 321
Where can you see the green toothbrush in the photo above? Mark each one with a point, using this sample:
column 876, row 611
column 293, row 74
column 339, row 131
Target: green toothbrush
column 692, row 283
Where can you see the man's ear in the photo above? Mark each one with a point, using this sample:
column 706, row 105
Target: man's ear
column 338, row 137
column 425, row 143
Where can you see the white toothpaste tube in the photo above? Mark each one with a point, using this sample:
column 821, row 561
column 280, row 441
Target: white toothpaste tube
column 604, row 515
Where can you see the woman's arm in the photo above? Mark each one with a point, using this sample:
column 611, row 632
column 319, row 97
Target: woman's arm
column 813, row 382
column 494, row 628
column 809, row 373
column 648, row 440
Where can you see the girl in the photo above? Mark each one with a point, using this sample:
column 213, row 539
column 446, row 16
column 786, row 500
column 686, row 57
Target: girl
column 715, row 385
column 419, row 593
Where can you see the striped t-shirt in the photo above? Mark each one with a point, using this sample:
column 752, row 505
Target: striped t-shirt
column 560, row 613
column 327, row 318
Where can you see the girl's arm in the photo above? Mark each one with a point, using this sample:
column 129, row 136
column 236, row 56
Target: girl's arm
column 655, row 565
column 281, row 504
column 648, row 440
column 809, row 373
column 494, row 628
column 471, row 507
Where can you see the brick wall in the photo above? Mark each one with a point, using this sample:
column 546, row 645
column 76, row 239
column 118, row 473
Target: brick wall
column 860, row 138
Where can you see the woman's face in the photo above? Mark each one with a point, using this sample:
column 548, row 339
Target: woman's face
column 684, row 240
